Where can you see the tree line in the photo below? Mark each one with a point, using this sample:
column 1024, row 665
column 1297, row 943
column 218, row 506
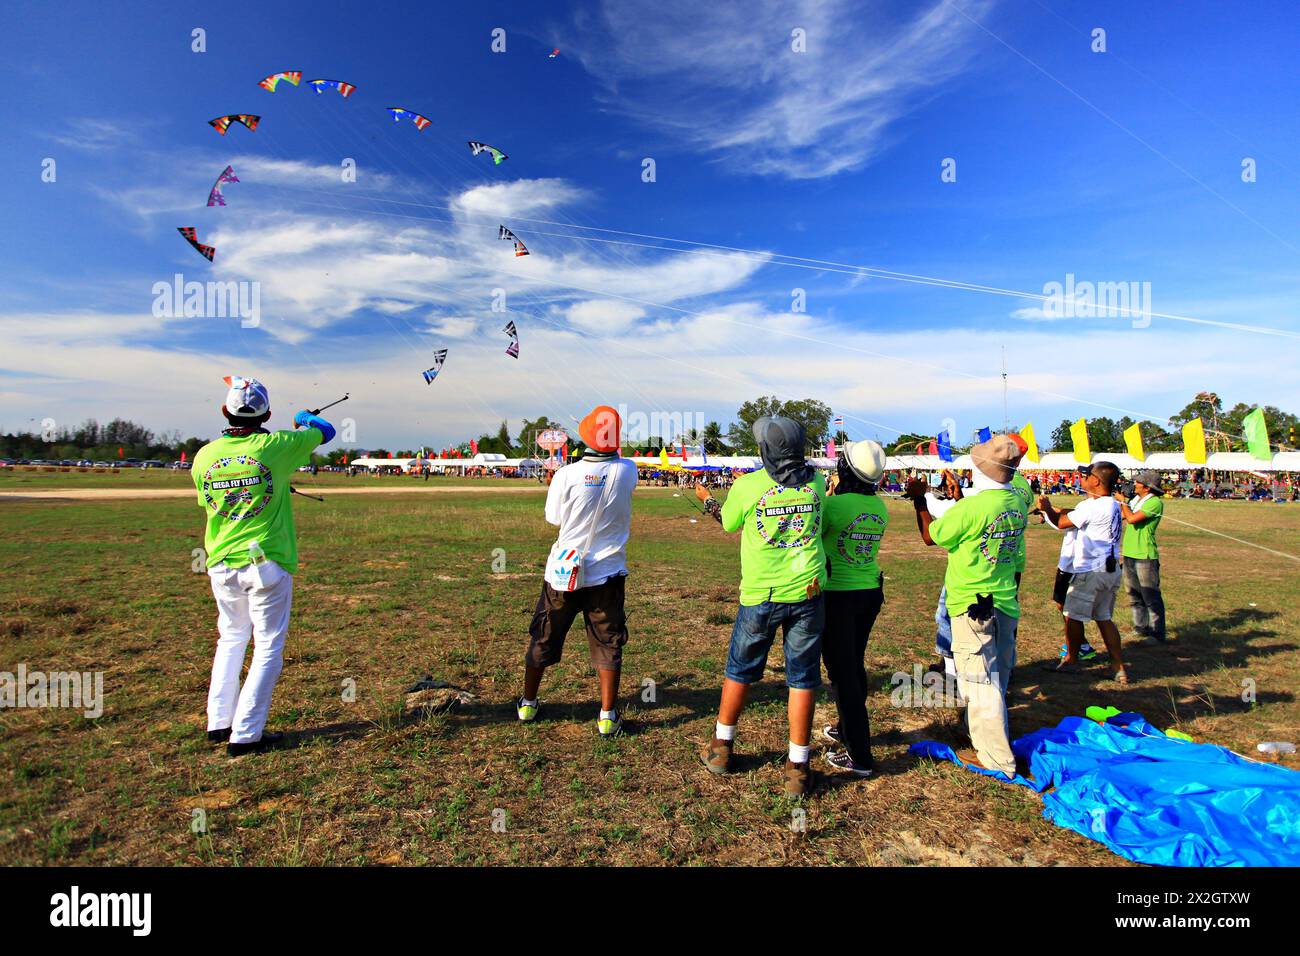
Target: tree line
column 121, row 438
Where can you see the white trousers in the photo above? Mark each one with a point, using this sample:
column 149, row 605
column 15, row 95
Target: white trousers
column 253, row 603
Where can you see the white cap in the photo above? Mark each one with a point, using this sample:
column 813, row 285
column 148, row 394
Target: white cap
column 866, row 460
column 247, row 397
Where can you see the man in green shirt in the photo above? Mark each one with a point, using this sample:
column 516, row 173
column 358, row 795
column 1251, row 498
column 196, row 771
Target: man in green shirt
column 778, row 510
column 853, row 524
column 252, row 554
column 1142, row 556
column 983, row 534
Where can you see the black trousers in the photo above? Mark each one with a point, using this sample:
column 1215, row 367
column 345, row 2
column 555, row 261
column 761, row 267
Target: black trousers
column 850, row 615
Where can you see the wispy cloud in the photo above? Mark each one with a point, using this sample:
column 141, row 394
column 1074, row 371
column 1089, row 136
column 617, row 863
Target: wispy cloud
column 726, row 78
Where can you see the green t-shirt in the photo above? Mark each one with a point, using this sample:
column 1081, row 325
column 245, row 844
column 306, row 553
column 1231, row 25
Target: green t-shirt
column 982, row 534
column 852, row 526
column 243, row 484
column 1140, row 539
column 1020, row 485
column 781, row 543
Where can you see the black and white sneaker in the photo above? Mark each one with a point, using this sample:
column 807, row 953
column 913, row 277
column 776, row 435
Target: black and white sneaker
column 832, row 733
column 841, row 760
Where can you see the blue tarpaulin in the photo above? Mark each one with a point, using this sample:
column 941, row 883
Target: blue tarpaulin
column 1156, row 799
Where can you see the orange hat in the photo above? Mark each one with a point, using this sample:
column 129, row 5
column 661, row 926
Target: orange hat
column 600, row 429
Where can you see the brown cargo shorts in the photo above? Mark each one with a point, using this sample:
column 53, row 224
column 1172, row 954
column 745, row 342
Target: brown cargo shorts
column 601, row 607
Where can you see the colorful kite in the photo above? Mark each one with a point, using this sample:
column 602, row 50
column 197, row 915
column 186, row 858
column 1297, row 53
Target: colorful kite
column 520, row 248
column 272, row 81
column 321, row 86
column 420, row 121
column 554, row 53
column 222, row 123
column 513, row 348
column 192, row 237
column 227, row 176
column 498, row 157
column 439, row 357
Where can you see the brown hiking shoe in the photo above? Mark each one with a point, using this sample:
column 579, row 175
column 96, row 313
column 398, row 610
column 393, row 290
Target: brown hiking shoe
column 717, row 759
column 798, row 779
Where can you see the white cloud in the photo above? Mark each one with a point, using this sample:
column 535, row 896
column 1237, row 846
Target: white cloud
column 604, row 314
column 724, row 78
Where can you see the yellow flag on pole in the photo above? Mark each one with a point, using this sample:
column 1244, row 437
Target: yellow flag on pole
column 1027, row 433
column 1194, row 442
column 1133, row 441
column 663, row 457
column 1079, row 438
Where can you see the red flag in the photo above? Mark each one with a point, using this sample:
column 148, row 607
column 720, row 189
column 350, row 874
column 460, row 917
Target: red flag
column 934, row 448
column 473, row 446
column 119, row 452
column 683, row 451
column 182, row 456
column 345, row 459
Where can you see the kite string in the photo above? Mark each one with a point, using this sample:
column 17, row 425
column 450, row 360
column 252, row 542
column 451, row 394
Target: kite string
column 823, row 265
column 830, row 345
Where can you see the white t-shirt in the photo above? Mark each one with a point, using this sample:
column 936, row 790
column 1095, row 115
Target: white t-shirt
column 572, row 501
column 1066, row 561
column 1100, row 525
column 937, row 506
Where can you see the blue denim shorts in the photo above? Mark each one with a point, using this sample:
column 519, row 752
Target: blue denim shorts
column 755, row 629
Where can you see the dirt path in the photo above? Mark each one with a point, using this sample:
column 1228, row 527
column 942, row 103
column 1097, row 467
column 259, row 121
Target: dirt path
column 324, row 491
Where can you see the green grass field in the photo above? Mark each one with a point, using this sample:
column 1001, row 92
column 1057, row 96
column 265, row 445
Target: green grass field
column 393, row 587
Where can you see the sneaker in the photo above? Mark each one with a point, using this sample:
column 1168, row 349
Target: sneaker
column 267, row 741
column 717, row 758
column 526, row 713
column 1086, row 651
column 219, row 736
column 610, row 728
column 841, row 760
column 798, row 779
column 832, row 733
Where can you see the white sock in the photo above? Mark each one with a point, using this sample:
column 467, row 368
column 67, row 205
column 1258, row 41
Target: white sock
column 525, row 702
column 799, row 754
column 724, row 731
column 608, row 714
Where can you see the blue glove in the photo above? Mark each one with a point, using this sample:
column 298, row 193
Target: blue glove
column 306, row 419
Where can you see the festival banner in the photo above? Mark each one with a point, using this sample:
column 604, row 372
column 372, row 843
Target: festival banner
column 1079, row 439
column 1133, row 442
column 1194, row 442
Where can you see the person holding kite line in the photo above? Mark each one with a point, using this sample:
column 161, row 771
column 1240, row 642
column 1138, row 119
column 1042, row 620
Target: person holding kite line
column 1094, row 567
column 591, row 502
column 252, row 555
column 1142, row 557
column 778, row 509
column 853, row 524
column 982, row 534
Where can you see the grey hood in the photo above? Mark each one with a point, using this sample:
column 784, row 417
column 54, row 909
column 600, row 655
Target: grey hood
column 781, row 446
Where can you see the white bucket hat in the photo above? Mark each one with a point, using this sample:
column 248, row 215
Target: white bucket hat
column 866, row 460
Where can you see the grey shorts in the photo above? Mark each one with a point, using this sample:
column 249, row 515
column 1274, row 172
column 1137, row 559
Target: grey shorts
column 1091, row 595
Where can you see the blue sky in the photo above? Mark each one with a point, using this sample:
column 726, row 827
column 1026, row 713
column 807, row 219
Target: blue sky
column 1119, row 166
